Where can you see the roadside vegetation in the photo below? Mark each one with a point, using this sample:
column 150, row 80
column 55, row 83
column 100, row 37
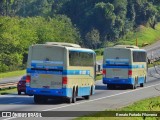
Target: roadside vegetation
column 17, row 34
column 12, row 74
column 99, row 77
column 154, row 64
column 151, row 104
column 8, row 91
column 143, row 35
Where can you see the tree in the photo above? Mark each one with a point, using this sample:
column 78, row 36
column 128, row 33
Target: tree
column 93, row 38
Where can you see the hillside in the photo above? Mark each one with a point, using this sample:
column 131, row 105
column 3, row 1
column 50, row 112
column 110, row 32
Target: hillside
column 90, row 23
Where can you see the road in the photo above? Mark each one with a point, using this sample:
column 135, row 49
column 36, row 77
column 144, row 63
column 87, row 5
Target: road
column 102, row 100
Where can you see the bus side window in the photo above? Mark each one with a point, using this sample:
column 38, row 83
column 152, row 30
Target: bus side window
column 74, row 58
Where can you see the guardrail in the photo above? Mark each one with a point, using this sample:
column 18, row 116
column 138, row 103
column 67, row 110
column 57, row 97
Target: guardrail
column 8, row 85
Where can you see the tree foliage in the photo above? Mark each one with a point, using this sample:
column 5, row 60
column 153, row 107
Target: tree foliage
column 16, row 34
column 26, row 22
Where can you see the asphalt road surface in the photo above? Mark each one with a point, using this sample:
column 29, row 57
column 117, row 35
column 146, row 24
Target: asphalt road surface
column 102, row 99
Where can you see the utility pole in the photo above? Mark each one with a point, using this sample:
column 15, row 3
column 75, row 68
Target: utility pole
column 136, row 41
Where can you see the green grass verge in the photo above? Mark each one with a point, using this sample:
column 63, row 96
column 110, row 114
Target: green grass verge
column 155, row 63
column 99, row 77
column 151, row 104
column 8, row 91
column 99, row 57
column 143, row 35
column 12, row 74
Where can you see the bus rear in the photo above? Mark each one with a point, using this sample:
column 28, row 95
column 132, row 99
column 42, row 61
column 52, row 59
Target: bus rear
column 116, row 62
column 44, row 72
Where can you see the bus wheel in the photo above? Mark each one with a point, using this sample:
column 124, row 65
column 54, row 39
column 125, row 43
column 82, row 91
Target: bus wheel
column 145, row 79
column 134, row 85
column 91, row 92
column 141, row 85
column 69, row 100
column 36, row 99
column 74, row 96
column 39, row 99
column 87, row 97
column 110, row 87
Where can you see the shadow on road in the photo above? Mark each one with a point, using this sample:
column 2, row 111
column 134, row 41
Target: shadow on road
column 104, row 87
column 101, row 87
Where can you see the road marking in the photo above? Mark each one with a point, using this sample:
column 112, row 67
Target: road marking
column 15, row 95
column 100, row 98
column 9, row 118
column 92, row 100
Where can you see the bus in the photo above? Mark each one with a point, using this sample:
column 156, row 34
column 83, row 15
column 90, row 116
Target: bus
column 124, row 65
column 60, row 70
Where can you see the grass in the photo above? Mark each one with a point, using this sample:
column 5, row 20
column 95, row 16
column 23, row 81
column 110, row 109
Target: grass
column 99, row 77
column 12, row 74
column 151, row 104
column 143, row 35
column 8, row 91
column 155, row 63
column 99, row 57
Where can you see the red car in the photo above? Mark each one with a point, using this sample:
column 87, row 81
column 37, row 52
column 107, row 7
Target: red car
column 21, row 86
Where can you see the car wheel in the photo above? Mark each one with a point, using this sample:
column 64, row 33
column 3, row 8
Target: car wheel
column 19, row 92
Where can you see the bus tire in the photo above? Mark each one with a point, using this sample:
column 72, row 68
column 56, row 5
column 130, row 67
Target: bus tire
column 37, row 99
column 40, row 99
column 134, row 85
column 145, row 79
column 87, row 97
column 74, row 96
column 91, row 93
column 69, row 100
column 141, row 85
column 110, row 87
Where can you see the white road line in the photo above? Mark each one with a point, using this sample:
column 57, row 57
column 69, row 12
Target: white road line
column 92, row 100
column 9, row 118
column 100, row 98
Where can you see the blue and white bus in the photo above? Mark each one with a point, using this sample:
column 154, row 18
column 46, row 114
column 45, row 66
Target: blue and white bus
column 60, row 70
column 124, row 65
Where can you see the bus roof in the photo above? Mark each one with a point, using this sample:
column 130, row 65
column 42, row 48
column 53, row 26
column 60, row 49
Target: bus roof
column 127, row 47
column 78, row 49
column 63, row 44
